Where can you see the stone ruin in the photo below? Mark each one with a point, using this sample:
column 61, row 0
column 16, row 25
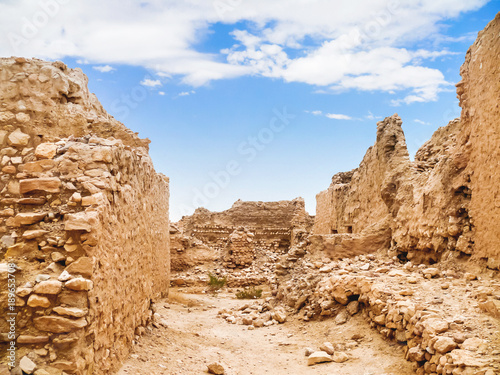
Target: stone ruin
column 240, row 249
column 274, row 226
column 85, row 231
column 445, row 203
column 83, row 224
column 393, row 239
column 249, row 234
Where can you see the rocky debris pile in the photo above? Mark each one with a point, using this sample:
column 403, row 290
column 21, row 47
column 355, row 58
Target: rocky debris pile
column 260, row 272
column 288, row 260
column 255, row 315
column 240, row 249
column 443, row 319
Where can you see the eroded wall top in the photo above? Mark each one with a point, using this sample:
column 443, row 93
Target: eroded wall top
column 446, row 202
column 49, row 100
column 282, row 214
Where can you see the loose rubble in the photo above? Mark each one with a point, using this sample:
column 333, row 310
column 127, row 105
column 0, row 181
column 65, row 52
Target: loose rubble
column 257, row 314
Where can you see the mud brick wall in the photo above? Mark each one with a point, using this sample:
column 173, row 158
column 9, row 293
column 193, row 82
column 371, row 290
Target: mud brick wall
column 85, row 221
column 479, row 94
column 446, row 203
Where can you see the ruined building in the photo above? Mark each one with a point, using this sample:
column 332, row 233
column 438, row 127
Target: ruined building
column 85, row 238
column 264, row 226
column 83, row 223
column 445, row 203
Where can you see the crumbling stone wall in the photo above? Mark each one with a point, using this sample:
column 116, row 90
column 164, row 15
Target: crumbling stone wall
column 54, row 102
column 84, row 220
column 479, row 93
column 442, row 205
column 433, row 219
column 204, row 236
column 240, row 249
column 354, row 201
column 353, row 214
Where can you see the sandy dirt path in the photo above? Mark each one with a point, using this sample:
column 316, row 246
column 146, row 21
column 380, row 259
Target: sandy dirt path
column 196, row 337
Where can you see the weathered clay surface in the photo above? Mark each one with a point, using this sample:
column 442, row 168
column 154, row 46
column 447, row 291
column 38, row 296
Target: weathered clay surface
column 479, row 93
column 443, row 204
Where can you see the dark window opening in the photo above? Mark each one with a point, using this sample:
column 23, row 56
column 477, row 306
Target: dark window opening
column 334, row 231
column 349, row 229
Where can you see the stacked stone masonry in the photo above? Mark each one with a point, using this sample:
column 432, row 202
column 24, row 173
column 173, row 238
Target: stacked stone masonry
column 207, row 236
column 83, row 219
column 240, row 250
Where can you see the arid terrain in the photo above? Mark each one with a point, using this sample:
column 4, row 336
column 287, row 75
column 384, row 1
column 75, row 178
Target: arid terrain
column 197, row 337
column 397, row 273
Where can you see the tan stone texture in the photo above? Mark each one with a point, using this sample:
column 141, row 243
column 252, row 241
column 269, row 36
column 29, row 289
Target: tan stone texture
column 445, row 202
column 111, row 255
column 479, row 93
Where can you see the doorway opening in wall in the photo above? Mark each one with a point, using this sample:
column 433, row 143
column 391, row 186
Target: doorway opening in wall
column 335, row 231
column 349, row 229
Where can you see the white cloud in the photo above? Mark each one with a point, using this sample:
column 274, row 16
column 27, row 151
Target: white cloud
column 315, row 113
column 421, row 122
column 371, row 116
column 335, row 116
column 104, row 68
column 328, row 44
column 161, row 93
column 151, row 82
column 467, row 38
column 187, row 93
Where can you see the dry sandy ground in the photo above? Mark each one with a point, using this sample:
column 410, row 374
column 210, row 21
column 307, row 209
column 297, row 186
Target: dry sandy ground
column 196, row 337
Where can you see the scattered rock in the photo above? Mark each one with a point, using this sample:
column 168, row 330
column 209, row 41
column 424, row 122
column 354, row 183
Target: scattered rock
column 279, row 315
column 353, row 307
column 327, row 347
column 308, row 351
column 342, row 317
column 318, row 357
column 215, row 368
column 340, row 357
column 445, row 344
column 27, row 365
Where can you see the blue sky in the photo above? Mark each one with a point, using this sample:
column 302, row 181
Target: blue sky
column 257, row 100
